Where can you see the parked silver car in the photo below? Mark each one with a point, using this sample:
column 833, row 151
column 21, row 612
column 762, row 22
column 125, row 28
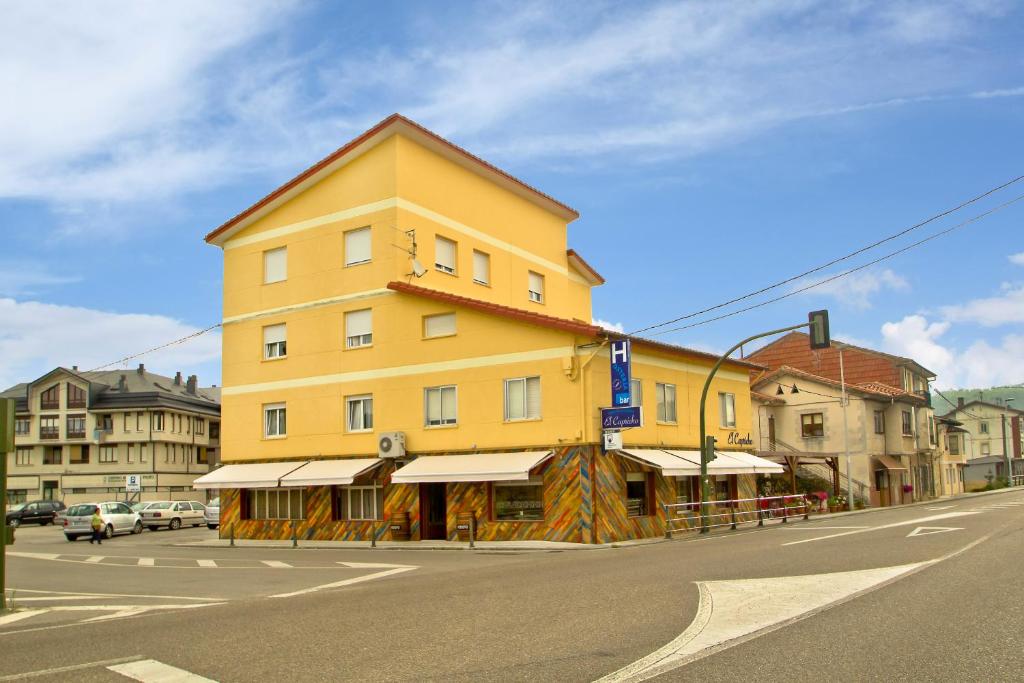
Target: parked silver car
column 117, row 517
column 173, row 514
column 213, row 513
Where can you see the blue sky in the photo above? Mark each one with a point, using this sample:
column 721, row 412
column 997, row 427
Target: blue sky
column 711, row 148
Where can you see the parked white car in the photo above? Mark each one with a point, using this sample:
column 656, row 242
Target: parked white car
column 117, row 517
column 173, row 514
column 213, row 513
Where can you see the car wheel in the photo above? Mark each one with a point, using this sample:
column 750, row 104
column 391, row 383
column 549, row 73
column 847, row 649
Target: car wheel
column 109, row 531
column 211, row 526
column 175, row 524
column 137, row 529
column 153, row 528
column 15, row 522
column 71, row 537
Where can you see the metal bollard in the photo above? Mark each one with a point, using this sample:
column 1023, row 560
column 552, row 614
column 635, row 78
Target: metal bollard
column 807, row 510
column 732, row 516
column 472, row 531
column 373, row 535
column 760, row 512
column 295, row 538
column 231, row 535
column 785, row 511
column 668, row 523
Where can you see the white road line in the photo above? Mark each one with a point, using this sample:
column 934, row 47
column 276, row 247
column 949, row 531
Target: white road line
column 152, row 671
column 276, row 564
column 147, row 562
column 114, row 595
column 940, row 507
column 932, row 518
column 800, row 527
column 348, row 582
column 206, row 563
column 34, row 556
column 95, row 558
column 18, row 616
column 75, row 667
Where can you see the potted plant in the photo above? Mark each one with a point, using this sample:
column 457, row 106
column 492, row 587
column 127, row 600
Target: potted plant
column 836, row 503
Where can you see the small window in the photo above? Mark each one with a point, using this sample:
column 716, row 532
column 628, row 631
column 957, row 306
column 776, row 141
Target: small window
column 986, row 449
column 275, row 343
column 522, row 398
column 481, row 268
column 357, row 246
column 274, row 423
column 22, row 426
column 440, row 325
column 440, row 406
column 359, row 412
column 954, row 445
column 636, row 393
column 200, row 426
column 360, row 502
column 666, row 397
column 983, row 427
column 931, row 430
column 727, row 409
column 275, row 265
column 138, row 422
column 444, row 255
column 812, row 425
column 908, row 424
column 130, row 453
column 23, row 456
column 536, row 287
column 158, row 421
column 638, row 501
column 105, row 422
column 125, row 424
column 358, row 328
column 108, row 454
column 518, row 501
column 879, row 422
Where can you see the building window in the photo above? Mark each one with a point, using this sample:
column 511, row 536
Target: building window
column 275, row 343
column 986, row 449
column 105, row 422
column 76, row 426
column 879, row 422
column 50, row 399
column 23, row 456
column 725, row 488
column 954, row 444
column 522, row 398
column 812, row 425
column 275, row 265
column 727, row 409
column 276, row 504
column 274, row 424
column 17, row 496
column 202, row 458
column 108, row 453
column 481, row 268
column 518, row 501
column 688, row 492
column 130, row 453
column 138, row 422
column 158, row 421
column 666, row 396
column 444, row 255
column 357, row 246
column 440, row 405
column 908, row 425
column 908, row 380
column 536, row 287
column 82, row 457
column 214, row 430
column 636, row 392
column 931, row 430
column 359, row 410
column 638, row 501
column 360, row 502
column 983, row 427
column 125, row 425
column 200, row 426
column 53, row 455
column 22, row 426
column 358, row 328
column 142, row 452
column 49, row 427
column 440, row 325
column 76, row 396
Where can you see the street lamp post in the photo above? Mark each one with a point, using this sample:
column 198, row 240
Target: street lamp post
column 846, row 432
column 1006, row 450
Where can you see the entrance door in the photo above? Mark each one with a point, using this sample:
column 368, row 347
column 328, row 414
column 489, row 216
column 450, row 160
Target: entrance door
column 433, row 512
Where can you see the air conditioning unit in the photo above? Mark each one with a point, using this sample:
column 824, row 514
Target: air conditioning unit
column 391, row 445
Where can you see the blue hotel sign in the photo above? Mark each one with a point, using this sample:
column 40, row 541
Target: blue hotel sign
column 620, row 373
column 621, row 418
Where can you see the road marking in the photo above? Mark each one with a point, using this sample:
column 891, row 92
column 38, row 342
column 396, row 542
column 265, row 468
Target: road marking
column 276, row 564
column 932, row 518
column 114, row 612
column 147, row 562
column 61, row 595
column 152, row 671
column 929, row 530
column 206, row 563
column 34, row 556
column 74, row 667
column 731, row 610
column 940, row 507
column 18, row 616
column 799, row 527
column 396, row 569
column 95, row 558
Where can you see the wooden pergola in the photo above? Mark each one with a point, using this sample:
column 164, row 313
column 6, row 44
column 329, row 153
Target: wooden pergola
column 792, row 460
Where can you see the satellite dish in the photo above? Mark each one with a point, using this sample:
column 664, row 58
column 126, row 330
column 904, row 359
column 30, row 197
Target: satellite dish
column 417, row 268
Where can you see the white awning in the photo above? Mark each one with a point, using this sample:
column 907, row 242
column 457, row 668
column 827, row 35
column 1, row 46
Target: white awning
column 472, row 467
column 732, row 463
column 760, row 465
column 249, row 476
column 670, row 464
column 339, row 472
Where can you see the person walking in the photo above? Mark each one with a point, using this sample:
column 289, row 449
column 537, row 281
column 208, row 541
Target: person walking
column 97, row 526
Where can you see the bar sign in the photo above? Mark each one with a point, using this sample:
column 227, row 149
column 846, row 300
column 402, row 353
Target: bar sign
column 620, row 355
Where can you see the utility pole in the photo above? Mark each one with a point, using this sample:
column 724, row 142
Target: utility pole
column 1006, row 451
column 846, row 432
column 6, row 446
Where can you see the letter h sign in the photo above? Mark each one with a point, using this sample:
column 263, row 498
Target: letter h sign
column 620, row 353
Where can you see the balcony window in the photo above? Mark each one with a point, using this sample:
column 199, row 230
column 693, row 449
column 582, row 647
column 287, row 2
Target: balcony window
column 76, row 396
column 53, row 455
column 908, row 424
column 50, row 399
column 76, row 426
column 105, row 423
column 954, row 444
column 23, row 457
column 49, row 428
column 22, row 426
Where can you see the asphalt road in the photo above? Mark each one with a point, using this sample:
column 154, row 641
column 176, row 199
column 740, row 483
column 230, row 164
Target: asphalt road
column 921, row 593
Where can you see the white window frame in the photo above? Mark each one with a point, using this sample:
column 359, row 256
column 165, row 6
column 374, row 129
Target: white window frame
column 108, row 454
column 453, row 268
column 661, row 391
column 287, row 494
column 906, row 423
column 362, row 400
column 158, row 421
column 439, row 317
column 986, row 448
column 636, row 392
column 524, row 409
column 273, row 430
column 535, row 293
column 727, row 405
column 443, row 390
column 275, row 350
column 363, row 339
column 22, row 456
column 351, row 235
column 372, row 489
column 983, row 427
column 268, row 278
column 481, row 267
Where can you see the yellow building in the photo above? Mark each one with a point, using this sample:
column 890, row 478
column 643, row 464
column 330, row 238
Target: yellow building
column 404, row 298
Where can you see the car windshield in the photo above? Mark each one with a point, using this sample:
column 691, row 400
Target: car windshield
column 81, row 510
column 138, row 506
column 159, row 506
column 19, row 506
column 215, row 503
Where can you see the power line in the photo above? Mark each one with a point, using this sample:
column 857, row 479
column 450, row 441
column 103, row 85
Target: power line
column 834, row 261
column 843, row 274
column 158, row 348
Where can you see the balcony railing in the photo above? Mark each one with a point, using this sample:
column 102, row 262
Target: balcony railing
column 50, row 405
column 76, row 433
column 49, row 432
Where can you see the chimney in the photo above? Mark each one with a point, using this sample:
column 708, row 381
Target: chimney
column 121, row 383
column 177, row 379
column 190, row 386
column 960, row 402
column 142, row 369
column 75, row 368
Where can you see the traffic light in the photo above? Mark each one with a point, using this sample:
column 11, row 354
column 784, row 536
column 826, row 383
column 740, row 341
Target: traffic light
column 819, row 329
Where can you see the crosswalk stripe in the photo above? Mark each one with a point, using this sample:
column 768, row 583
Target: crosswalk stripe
column 147, row 562
column 95, row 558
column 152, row 671
column 206, row 563
column 276, row 564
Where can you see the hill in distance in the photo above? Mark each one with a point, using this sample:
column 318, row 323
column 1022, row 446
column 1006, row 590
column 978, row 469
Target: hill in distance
column 997, row 395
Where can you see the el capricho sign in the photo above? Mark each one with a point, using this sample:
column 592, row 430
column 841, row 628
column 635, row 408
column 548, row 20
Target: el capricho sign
column 621, row 418
column 620, row 353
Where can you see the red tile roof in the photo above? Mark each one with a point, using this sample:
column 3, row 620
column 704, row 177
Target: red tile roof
column 582, row 265
column 393, row 121
column 871, row 389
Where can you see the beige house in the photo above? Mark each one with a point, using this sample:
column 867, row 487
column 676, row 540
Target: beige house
column 79, row 434
column 990, row 436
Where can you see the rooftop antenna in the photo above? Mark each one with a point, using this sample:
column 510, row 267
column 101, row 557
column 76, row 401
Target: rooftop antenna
column 417, row 268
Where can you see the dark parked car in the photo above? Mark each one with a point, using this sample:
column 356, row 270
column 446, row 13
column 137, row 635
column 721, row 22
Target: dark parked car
column 38, row 511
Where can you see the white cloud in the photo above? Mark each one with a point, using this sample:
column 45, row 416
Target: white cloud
column 37, row 337
column 615, row 327
column 1007, row 308
column 1017, row 259
column 856, row 289
column 21, row 278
